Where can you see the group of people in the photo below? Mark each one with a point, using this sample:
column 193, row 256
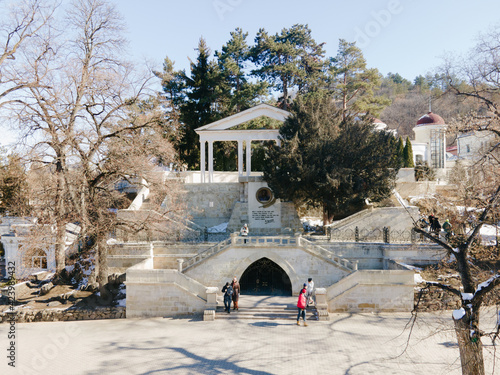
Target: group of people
column 435, row 227
column 305, row 299
column 231, row 294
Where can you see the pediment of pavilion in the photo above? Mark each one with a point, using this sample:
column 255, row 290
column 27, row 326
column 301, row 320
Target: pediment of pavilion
column 231, row 123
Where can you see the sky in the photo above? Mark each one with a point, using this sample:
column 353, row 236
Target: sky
column 409, row 37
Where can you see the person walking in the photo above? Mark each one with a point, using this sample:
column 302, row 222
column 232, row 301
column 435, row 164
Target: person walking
column 301, row 306
column 431, row 223
column 228, row 293
column 437, row 226
column 236, row 293
column 310, row 290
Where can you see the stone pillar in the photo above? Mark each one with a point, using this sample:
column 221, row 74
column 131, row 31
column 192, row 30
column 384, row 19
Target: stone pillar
column 249, row 156
column 321, row 304
column 179, row 264
column 202, row 160
column 210, row 161
column 211, row 298
column 240, row 158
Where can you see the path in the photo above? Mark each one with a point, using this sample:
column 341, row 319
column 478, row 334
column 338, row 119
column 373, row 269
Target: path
column 347, row 344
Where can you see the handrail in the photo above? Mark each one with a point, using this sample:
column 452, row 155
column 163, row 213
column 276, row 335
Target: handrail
column 207, row 253
column 321, row 251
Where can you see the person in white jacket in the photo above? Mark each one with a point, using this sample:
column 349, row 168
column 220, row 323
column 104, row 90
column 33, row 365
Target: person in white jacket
column 310, row 290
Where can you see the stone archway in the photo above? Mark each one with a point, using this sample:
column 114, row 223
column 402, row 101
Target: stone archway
column 265, row 277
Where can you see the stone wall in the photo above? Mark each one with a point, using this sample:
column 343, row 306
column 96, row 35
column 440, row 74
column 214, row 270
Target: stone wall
column 55, row 315
column 152, row 292
column 372, row 291
column 211, row 204
column 374, row 255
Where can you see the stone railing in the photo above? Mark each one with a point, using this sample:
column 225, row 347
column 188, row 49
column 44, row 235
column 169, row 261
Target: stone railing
column 264, row 240
column 206, row 254
column 384, row 235
column 328, row 255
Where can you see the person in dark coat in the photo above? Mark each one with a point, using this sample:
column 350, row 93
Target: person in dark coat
column 437, row 226
column 228, row 294
column 236, row 293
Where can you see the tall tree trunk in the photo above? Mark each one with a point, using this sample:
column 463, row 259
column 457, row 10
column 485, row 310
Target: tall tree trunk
column 60, row 251
column 102, row 272
column 327, row 215
column 471, row 349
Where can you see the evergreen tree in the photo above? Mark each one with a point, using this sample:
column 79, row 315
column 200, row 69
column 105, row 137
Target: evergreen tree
column 399, row 154
column 408, row 155
column 232, row 60
column 423, row 172
column 328, row 160
column 202, row 106
column 353, row 84
column 289, row 60
column 14, row 195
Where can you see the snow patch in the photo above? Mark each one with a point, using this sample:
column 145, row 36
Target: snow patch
column 486, row 283
column 467, row 296
column 122, row 302
column 458, row 314
column 70, row 268
column 221, row 228
column 418, row 278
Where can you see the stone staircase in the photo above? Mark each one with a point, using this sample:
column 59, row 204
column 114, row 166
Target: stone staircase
column 265, row 308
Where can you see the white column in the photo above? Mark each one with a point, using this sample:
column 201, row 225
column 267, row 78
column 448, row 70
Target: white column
column 202, row 160
column 210, row 161
column 240, row 158
column 249, row 156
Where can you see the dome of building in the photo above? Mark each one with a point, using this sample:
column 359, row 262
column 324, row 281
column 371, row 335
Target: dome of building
column 430, row 119
column 379, row 124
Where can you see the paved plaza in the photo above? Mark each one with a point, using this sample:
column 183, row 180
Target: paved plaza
column 347, row 344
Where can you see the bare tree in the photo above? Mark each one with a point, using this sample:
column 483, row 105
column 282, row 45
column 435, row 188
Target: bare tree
column 480, row 73
column 21, row 23
column 91, row 121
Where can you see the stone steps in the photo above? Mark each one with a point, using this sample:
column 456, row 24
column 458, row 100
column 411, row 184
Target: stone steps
column 266, row 313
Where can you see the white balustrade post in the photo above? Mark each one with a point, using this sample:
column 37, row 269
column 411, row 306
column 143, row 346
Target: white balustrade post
column 179, row 264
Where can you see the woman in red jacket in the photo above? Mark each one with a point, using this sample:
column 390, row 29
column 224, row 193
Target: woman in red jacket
column 301, row 305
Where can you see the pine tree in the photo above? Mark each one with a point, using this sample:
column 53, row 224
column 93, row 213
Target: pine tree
column 289, row 60
column 232, row 61
column 353, row 84
column 408, row 155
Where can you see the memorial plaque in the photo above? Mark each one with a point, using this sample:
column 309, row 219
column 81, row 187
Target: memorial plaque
column 264, row 210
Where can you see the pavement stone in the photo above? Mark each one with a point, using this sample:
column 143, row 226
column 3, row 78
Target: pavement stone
column 347, row 344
